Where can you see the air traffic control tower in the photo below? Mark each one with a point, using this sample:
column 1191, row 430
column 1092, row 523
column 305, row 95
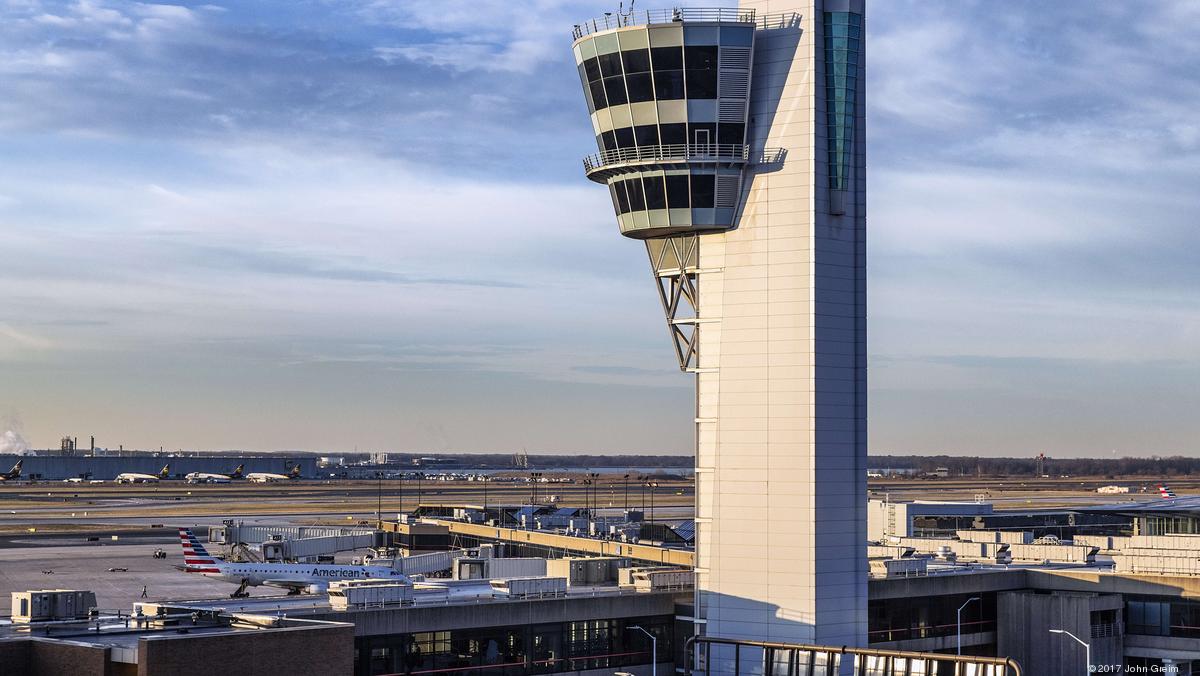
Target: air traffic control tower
column 731, row 141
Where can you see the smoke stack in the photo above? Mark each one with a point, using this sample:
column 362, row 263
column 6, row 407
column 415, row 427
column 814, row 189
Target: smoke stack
column 93, row 444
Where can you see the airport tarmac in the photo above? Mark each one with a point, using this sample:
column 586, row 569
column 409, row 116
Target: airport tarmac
column 83, row 565
column 26, row 504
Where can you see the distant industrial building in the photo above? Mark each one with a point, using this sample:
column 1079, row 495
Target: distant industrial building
column 59, row 466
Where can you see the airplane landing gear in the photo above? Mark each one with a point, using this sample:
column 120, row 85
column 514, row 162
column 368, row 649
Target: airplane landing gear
column 241, row 590
column 293, row 592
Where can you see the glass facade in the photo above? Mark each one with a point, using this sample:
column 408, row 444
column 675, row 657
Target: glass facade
column 1152, row 616
column 843, row 37
column 654, row 201
column 651, row 191
column 510, row 651
column 659, row 73
column 1167, row 525
column 669, row 105
column 909, row 618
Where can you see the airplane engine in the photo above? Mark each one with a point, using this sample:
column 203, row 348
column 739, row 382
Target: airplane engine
column 316, row 588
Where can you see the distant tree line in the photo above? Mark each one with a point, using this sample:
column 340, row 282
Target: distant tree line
column 1106, row 467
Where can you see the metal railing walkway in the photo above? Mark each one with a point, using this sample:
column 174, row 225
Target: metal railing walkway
column 728, row 657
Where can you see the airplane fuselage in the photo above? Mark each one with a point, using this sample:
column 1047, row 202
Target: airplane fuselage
column 256, row 574
column 131, row 478
column 206, row 478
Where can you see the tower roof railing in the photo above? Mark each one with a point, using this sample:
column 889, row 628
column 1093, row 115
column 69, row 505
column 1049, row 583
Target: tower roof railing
column 612, row 20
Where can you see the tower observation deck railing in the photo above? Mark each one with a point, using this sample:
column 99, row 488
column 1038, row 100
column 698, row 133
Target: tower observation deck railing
column 599, row 166
column 682, row 152
column 652, row 16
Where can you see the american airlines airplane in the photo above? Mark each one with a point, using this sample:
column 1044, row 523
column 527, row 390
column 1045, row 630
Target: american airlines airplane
column 213, row 478
column 136, row 478
column 268, row 477
column 295, row 577
column 1166, row 492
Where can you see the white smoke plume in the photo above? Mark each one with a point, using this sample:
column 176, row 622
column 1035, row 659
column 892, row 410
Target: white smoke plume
column 13, row 442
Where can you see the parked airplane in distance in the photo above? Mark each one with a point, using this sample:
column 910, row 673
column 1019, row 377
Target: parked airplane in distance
column 295, row 577
column 136, row 478
column 1166, row 492
column 12, row 474
column 212, row 478
column 268, row 477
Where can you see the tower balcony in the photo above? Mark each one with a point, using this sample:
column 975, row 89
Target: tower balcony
column 601, row 166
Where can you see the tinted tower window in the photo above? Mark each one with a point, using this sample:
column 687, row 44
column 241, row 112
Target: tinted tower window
column 656, row 195
column 637, row 200
column 614, row 88
column 598, row 98
column 673, row 134
column 667, row 58
column 592, row 68
column 668, row 84
column 610, row 64
column 677, row 191
column 646, row 135
column 703, row 191
column 640, row 87
column 668, row 72
column 636, row 60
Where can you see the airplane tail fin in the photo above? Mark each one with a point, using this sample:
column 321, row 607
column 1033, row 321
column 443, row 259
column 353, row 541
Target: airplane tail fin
column 1165, row 491
column 194, row 553
column 16, row 470
column 165, row 471
column 295, row 473
column 237, row 472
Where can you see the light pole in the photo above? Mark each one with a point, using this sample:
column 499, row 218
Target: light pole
column 653, row 650
column 378, row 499
column 586, row 483
column 534, row 477
column 1086, row 648
column 958, row 633
column 590, row 485
column 420, row 478
column 653, row 485
column 627, row 494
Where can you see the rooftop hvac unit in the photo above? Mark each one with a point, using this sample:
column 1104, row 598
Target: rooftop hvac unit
column 51, row 604
column 531, row 587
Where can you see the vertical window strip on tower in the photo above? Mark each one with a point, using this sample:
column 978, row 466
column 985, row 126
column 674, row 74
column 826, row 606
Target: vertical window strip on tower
column 843, row 35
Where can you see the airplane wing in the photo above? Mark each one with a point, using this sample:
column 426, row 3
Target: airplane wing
column 292, row 584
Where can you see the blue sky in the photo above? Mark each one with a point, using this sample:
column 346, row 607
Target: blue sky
column 329, row 225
